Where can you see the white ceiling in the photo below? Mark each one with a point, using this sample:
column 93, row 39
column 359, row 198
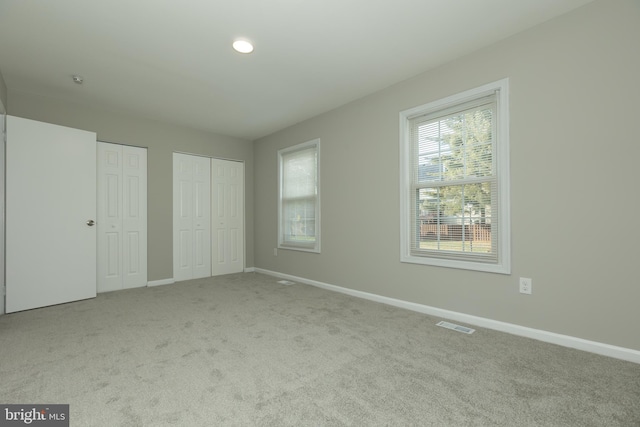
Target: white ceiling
column 172, row 60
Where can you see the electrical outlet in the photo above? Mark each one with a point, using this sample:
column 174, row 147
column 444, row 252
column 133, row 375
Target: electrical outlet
column 275, row 251
column 526, row 285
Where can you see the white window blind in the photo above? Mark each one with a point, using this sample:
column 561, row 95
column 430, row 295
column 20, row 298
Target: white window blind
column 455, row 182
column 299, row 210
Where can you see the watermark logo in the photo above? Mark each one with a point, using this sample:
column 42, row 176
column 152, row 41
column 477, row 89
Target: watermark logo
column 34, row 415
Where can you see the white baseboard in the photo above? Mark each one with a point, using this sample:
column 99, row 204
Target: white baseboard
column 250, row 270
column 161, row 282
column 537, row 334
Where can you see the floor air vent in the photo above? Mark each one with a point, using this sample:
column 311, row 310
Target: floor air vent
column 455, row 327
column 286, row 282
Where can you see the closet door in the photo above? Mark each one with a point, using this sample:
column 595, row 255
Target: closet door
column 122, row 217
column 134, row 217
column 2, row 220
column 191, row 217
column 228, row 216
column 50, row 214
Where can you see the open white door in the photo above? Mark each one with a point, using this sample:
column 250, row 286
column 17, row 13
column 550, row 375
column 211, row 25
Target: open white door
column 227, row 216
column 2, row 163
column 50, row 214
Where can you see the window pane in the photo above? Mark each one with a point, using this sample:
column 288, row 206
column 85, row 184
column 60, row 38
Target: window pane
column 456, row 147
column 299, row 221
column 469, row 140
column 455, row 218
column 299, row 173
column 431, row 149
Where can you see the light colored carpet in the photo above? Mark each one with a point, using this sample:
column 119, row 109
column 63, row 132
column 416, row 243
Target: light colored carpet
column 244, row 350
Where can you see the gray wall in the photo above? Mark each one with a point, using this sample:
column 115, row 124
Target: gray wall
column 575, row 204
column 161, row 140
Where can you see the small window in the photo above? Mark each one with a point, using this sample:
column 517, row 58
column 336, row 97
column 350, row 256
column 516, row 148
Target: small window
column 299, row 197
column 455, row 181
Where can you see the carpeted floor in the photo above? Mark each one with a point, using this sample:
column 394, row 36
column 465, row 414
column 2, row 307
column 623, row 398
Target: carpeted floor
column 244, row 350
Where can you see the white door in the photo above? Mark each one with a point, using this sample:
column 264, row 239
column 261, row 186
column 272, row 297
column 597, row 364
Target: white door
column 122, row 217
column 50, row 204
column 182, row 217
column 228, row 216
column 2, row 152
column 191, row 217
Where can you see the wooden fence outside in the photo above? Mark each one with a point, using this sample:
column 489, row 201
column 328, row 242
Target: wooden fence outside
column 473, row 232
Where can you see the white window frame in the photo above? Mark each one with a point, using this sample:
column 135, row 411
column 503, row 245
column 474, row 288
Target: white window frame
column 503, row 264
column 283, row 243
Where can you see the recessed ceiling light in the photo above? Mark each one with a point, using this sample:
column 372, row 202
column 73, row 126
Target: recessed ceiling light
column 243, row 46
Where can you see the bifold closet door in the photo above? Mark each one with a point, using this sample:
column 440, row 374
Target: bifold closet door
column 122, row 217
column 191, row 217
column 228, row 216
column 50, row 214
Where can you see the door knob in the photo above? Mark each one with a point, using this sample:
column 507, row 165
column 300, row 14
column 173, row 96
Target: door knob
column 91, row 223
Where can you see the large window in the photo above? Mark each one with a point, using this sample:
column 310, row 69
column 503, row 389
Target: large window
column 299, row 197
column 455, row 181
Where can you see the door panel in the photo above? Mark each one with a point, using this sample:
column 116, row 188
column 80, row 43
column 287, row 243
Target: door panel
column 228, row 205
column 113, row 256
column 182, row 241
column 2, row 211
column 185, row 250
column 202, row 217
column 200, row 249
column 122, row 216
column 134, row 217
column 234, row 254
column 50, row 196
column 109, row 217
column 192, row 217
column 133, row 250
